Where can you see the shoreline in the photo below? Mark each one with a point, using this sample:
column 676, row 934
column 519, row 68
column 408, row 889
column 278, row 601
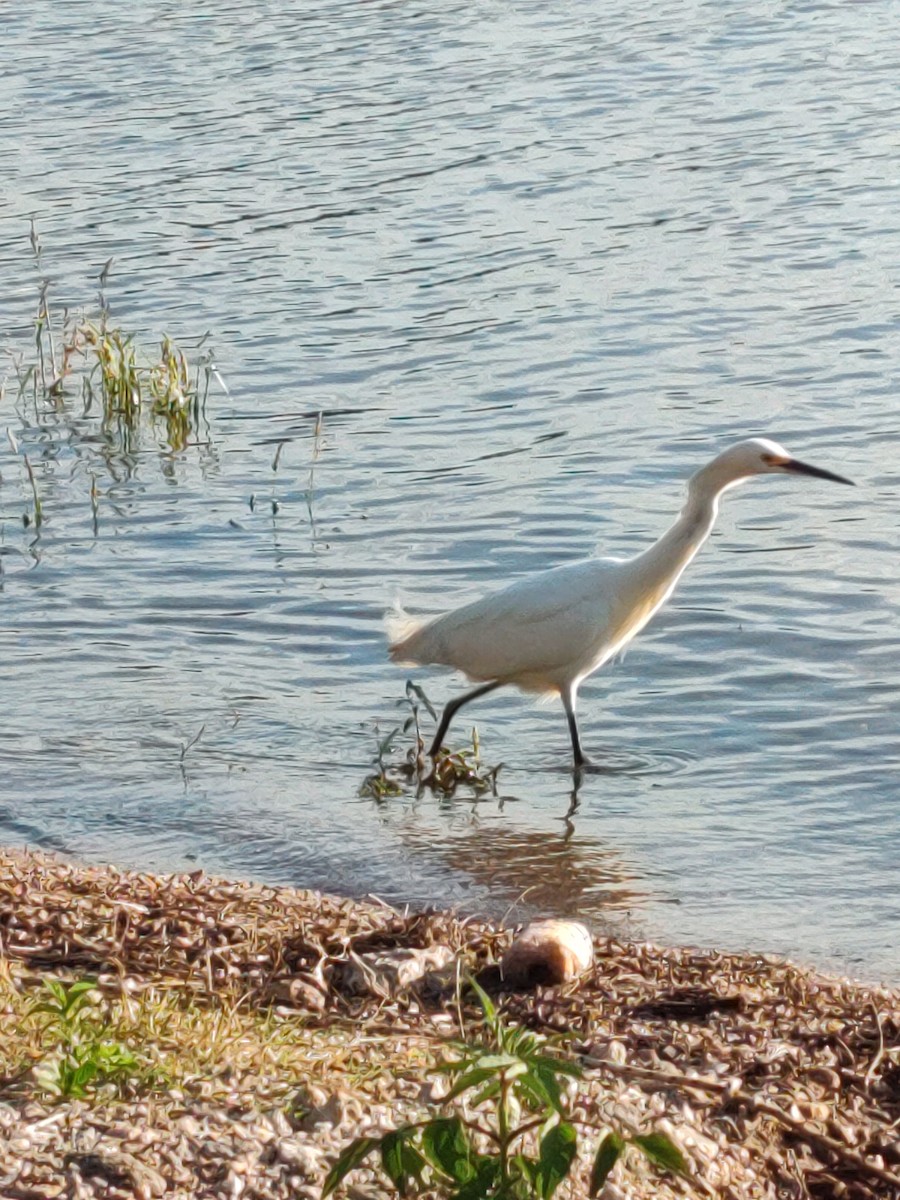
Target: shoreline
column 266, row 1029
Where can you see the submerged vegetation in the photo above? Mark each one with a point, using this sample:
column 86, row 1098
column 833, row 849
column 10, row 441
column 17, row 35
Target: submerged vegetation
column 400, row 764
column 85, row 373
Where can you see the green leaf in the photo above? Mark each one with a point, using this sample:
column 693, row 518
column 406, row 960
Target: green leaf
column 487, row 1093
column 661, row 1151
column 401, row 1162
column 513, row 1110
column 454, row 1065
column 521, row 1041
column 558, row 1147
column 561, row 1066
column 531, row 1091
column 414, row 1162
column 68, row 999
column 544, row 1081
column 489, row 1066
column 112, row 1057
column 446, row 1147
column 471, row 1079
column 73, row 1082
column 487, row 1172
column 487, row 1005
column 57, row 990
column 350, row 1158
column 392, row 1159
column 500, row 1062
column 80, row 988
column 529, row 1169
column 611, row 1146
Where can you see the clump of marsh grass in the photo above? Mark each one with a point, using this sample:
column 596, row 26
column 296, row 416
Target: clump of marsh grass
column 164, row 387
column 87, row 367
column 104, row 360
column 399, row 767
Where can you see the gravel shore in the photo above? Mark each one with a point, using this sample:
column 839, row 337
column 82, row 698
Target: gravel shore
column 268, row 1026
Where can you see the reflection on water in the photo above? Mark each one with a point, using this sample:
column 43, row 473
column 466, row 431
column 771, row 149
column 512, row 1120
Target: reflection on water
column 549, row 870
column 533, row 272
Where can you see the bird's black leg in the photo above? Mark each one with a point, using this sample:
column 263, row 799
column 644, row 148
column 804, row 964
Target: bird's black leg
column 568, row 699
column 453, row 706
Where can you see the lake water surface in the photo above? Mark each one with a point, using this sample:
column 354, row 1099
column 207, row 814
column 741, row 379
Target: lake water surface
column 534, row 266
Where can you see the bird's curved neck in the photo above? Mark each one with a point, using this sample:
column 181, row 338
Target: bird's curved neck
column 667, row 558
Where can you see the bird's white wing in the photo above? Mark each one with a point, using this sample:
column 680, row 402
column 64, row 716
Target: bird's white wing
column 530, row 632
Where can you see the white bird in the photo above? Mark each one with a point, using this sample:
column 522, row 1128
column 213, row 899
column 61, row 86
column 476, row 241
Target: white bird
column 550, row 631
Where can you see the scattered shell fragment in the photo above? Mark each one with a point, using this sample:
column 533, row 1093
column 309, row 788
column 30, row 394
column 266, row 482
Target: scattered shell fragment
column 548, row 951
column 388, row 972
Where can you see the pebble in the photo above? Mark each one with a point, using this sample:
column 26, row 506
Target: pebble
column 303, row 1156
column 389, row 972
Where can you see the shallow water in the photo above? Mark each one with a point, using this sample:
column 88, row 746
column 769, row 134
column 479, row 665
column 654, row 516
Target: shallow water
column 533, row 268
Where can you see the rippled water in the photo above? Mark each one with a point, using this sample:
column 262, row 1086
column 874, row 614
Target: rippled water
column 533, row 267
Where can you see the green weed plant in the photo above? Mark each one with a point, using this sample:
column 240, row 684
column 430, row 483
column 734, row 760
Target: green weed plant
column 82, row 1058
column 509, row 1133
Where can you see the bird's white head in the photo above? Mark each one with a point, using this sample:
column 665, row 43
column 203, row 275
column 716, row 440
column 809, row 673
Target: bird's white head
column 758, row 456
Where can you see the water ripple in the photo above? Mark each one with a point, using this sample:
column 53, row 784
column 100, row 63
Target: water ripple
column 531, row 272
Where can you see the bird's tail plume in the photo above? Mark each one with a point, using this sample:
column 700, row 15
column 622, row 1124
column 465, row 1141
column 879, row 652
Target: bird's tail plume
column 401, row 631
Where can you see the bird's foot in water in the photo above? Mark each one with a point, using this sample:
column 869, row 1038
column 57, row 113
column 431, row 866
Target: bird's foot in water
column 582, row 767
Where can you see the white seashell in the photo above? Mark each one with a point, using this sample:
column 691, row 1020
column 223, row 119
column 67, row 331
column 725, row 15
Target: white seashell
column 549, row 950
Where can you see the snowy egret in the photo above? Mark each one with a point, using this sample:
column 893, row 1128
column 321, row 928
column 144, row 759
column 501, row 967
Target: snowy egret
column 548, row 632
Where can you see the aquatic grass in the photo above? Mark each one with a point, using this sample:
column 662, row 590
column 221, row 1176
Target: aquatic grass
column 399, row 767
column 79, row 368
column 129, row 382
column 381, row 782
column 273, row 500
column 310, row 483
column 38, row 509
column 130, row 386
column 274, row 503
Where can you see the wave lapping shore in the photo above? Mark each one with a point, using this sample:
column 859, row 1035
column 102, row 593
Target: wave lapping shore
column 257, row 1030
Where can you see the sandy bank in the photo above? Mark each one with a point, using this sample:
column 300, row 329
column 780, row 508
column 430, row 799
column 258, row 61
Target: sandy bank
column 266, row 1033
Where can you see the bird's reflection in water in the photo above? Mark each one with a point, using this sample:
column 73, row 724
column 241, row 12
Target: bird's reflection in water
column 555, row 871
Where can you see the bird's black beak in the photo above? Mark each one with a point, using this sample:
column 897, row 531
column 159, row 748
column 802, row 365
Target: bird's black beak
column 802, row 468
